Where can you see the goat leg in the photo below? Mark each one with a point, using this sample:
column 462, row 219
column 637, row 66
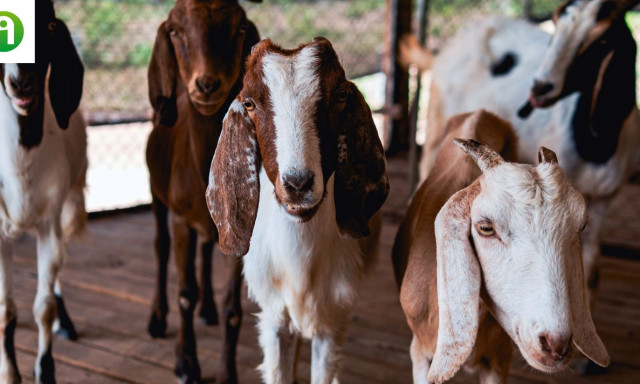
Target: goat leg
column 159, row 307
column 8, row 365
column 185, row 241
column 208, row 312
column 232, row 312
column 51, row 255
column 63, row 326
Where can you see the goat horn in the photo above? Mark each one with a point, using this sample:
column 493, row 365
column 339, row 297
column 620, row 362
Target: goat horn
column 484, row 156
column 545, row 155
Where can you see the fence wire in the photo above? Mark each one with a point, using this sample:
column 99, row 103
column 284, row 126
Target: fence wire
column 115, row 39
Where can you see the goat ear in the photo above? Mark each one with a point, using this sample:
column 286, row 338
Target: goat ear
column 162, row 77
column 458, row 279
column 67, row 74
column 252, row 38
column 546, row 155
column 585, row 337
column 361, row 184
column 234, row 187
column 484, row 155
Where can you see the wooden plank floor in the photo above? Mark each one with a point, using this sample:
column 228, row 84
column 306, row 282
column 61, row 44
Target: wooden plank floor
column 108, row 280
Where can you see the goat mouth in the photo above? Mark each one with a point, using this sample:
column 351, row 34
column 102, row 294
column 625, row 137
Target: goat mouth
column 207, row 107
column 541, row 101
column 543, row 363
column 301, row 213
column 24, row 104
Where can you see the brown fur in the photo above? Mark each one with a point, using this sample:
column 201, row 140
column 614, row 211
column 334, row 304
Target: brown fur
column 194, row 74
column 414, row 251
column 349, row 143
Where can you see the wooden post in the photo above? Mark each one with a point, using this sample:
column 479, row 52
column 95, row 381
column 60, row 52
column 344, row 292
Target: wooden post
column 412, row 176
column 396, row 121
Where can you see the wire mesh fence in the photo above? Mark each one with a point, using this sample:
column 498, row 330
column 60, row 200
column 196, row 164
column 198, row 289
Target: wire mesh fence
column 115, row 39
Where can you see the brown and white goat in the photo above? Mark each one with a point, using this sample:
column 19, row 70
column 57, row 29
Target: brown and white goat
column 490, row 251
column 297, row 177
column 581, row 82
column 195, row 72
column 43, row 163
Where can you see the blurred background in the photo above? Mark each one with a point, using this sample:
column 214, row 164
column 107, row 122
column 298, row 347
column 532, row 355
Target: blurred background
column 115, row 39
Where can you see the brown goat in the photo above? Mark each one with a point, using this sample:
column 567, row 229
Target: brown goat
column 195, row 72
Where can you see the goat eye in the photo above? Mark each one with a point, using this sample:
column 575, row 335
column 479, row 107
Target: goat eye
column 52, row 26
column 583, row 226
column 249, row 105
column 242, row 30
column 342, row 95
column 486, row 230
column 173, row 32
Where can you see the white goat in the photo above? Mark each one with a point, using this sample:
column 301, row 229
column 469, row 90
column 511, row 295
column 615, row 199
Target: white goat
column 583, row 80
column 500, row 260
column 42, row 174
column 299, row 157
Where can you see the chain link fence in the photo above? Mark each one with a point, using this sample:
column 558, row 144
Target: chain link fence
column 115, row 39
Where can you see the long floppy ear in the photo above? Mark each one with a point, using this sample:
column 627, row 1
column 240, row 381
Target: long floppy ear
column 67, row 74
column 361, row 183
column 162, row 77
column 585, row 337
column 234, row 186
column 252, row 37
column 459, row 276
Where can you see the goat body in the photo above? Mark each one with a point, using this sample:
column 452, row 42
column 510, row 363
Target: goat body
column 583, row 89
column 194, row 74
column 465, row 230
column 295, row 184
column 43, row 164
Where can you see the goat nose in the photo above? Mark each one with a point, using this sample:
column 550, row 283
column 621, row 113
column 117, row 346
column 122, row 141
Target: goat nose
column 207, row 84
column 541, row 88
column 298, row 181
column 556, row 347
column 23, row 84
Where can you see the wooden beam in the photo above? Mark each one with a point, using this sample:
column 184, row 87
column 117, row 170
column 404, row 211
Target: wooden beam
column 396, row 125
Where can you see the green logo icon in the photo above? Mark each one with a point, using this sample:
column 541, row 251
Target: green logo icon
column 11, row 31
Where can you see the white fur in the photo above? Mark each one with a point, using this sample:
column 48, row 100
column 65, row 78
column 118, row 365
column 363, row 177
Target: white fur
column 539, row 226
column 304, row 277
column 294, row 87
column 461, row 74
column 35, row 185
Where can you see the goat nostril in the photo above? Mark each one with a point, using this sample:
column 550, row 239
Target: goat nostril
column 541, row 88
column 299, row 181
column 557, row 348
column 207, row 85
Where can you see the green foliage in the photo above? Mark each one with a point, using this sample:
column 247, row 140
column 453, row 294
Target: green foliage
column 102, row 26
column 357, row 8
column 140, row 55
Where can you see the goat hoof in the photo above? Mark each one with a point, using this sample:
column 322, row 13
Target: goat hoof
column 209, row 314
column 45, row 373
column 67, row 334
column 188, row 370
column 65, row 328
column 224, row 376
column 157, row 326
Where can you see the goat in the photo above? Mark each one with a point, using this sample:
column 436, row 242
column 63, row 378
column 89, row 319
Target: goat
column 43, row 164
column 295, row 184
column 195, row 72
column 583, row 88
column 489, row 252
